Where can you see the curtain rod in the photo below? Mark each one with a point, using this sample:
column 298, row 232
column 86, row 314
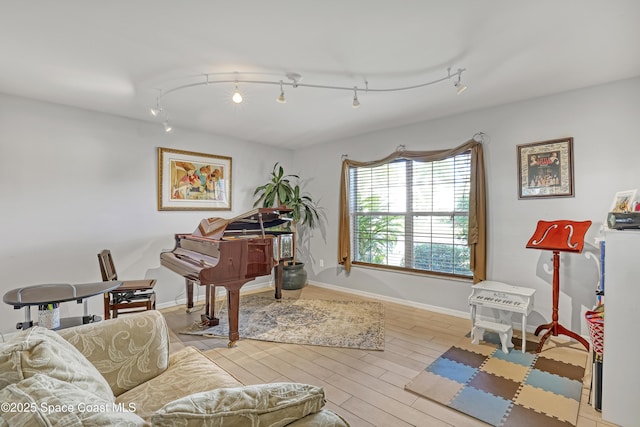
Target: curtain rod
column 478, row 137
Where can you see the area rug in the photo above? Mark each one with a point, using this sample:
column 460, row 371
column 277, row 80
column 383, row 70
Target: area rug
column 350, row 324
column 513, row 389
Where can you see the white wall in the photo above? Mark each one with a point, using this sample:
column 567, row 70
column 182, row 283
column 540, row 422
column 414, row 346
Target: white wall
column 604, row 123
column 75, row 182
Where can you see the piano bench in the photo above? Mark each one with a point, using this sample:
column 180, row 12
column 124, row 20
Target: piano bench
column 131, row 297
column 503, row 330
column 131, row 294
column 148, row 302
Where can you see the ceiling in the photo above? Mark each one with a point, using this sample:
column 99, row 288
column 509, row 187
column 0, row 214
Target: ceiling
column 117, row 56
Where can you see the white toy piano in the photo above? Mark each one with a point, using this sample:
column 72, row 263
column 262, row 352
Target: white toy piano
column 507, row 299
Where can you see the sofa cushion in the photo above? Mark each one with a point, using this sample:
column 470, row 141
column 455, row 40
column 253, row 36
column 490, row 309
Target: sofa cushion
column 322, row 418
column 272, row 405
column 127, row 351
column 44, row 401
column 42, row 351
column 190, row 371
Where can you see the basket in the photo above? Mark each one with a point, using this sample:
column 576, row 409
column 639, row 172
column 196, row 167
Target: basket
column 49, row 316
column 596, row 330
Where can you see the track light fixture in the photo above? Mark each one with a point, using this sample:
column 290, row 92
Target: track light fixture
column 167, row 126
column 281, row 99
column 458, row 84
column 356, row 103
column 294, row 82
column 237, row 98
column 155, row 111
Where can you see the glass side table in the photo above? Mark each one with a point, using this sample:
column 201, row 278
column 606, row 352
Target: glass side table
column 45, row 294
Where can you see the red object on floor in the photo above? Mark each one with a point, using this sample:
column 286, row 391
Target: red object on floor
column 595, row 322
column 558, row 236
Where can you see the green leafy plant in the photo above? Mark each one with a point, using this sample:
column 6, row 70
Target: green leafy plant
column 280, row 191
column 304, row 208
column 277, row 191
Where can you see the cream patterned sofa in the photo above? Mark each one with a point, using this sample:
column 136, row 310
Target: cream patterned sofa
column 119, row 372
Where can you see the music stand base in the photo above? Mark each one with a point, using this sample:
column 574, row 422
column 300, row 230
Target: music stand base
column 554, row 328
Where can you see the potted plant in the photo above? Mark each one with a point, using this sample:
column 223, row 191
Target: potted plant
column 281, row 192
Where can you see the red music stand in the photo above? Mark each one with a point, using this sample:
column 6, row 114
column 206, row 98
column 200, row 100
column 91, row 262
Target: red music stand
column 558, row 236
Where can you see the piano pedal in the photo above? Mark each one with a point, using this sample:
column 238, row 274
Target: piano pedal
column 209, row 321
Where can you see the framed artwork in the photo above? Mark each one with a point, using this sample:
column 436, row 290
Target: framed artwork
column 545, row 169
column 193, row 181
column 624, row 201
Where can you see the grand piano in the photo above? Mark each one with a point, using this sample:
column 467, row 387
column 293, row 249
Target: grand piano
column 230, row 253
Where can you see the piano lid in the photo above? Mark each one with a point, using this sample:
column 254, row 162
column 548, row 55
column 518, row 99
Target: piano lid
column 271, row 217
column 255, row 220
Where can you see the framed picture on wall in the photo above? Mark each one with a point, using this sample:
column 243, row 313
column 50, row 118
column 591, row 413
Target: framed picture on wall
column 193, row 181
column 545, row 169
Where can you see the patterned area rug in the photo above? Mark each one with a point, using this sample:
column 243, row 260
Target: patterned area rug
column 350, row 324
column 513, row 389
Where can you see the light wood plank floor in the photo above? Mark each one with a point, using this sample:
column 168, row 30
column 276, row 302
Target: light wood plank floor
column 365, row 387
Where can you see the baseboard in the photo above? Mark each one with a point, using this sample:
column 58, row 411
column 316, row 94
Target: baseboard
column 434, row 308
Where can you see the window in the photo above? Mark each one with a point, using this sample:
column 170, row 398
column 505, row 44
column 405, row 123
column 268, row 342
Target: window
column 412, row 215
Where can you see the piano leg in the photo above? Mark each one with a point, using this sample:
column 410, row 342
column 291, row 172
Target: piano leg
column 473, row 319
column 210, row 318
column 189, row 287
column 524, row 333
column 233, row 304
column 277, row 270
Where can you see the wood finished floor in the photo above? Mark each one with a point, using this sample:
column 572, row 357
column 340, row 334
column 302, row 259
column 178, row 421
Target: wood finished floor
column 365, row 387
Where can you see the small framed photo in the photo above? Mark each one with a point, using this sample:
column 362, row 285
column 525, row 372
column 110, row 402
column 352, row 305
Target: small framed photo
column 545, row 169
column 624, row 201
column 193, row 181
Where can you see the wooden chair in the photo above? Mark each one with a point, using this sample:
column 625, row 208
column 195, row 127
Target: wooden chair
column 133, row 296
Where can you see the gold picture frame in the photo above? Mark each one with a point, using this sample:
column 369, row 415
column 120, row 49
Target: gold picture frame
column 193, row 181
column 545, row 169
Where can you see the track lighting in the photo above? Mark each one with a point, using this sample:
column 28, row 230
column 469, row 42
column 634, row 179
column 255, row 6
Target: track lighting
column 293, row 80
column 460, row 87
column 237, row 98
column 167, row 126
column 281, row 99
column 356, row 103
column 155, row 111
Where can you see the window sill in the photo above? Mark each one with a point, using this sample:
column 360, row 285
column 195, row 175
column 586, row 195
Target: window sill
column 389, row 269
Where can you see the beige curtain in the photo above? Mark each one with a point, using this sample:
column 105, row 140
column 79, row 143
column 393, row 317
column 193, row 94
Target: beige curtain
column 477, row 202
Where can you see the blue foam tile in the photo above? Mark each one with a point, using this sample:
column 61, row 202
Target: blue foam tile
column 493, row 338
column 523, row 359
column 563, row 386
column 484, row 406
column 452, row 370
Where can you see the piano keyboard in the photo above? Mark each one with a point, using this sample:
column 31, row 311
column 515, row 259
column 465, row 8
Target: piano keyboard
column 497, row 299
column 502, row 297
